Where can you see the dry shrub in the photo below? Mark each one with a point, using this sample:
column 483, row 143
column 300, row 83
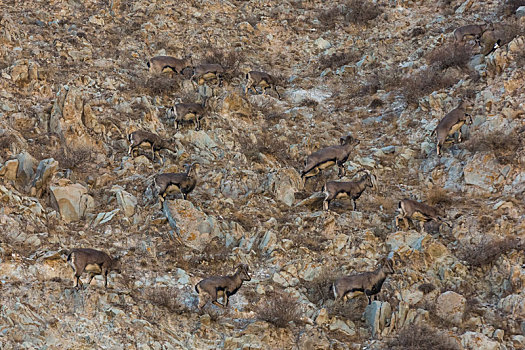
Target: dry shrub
column 361, row 11
column 350, row 310
column 417, row 31
column 308, row 102
column 337, row 59
column 438, row 195
column 450, row 55
column 161, row 84
column 71, row 158
column 426, row 288
column 279, row 309
column 330, row 17
column 319, row 290
column 503, row 145
column 6, row 141
column 215, row 255
column 509, row 7
column 382, row 79
column 477, row 255
column 166, row 297
column 424, row 82
column 416, row 337
column 230, row 59
column 376, row 102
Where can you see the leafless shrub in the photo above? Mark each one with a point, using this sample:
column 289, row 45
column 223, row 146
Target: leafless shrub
column 71, row 158
column 320, row 288
column 361, row 11
column 376, row 102
column 382, row 79
column 279, row 309
column 230, row 59
column 329, row 17
column 6, row 141
column 417, row 31
column 486, row 252
column 424, row 82
column 450, row 55
column 426, row 288
column 166, row 297
column 161, row 84
column 214, row 256
column 415, row 337
column 503, row 145
column 351, row 309
column 438, row 195
column 337, row 59
column 509, row 7
column 308, row 102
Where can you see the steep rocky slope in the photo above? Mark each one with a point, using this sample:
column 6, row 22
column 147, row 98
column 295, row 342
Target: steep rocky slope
column 74, row 83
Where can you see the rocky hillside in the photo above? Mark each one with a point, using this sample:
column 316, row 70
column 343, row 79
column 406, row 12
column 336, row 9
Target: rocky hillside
column 74, row 82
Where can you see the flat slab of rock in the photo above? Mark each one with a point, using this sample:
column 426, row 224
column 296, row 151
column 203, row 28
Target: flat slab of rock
column 194, row 228
column 72, row 199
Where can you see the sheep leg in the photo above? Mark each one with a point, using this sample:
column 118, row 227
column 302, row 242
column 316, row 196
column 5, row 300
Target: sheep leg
column 203, row 299
column 129, row 149
column 78, row 281
column 405, row 222
column 326, row 204
column 91, row 275
column 397, row 220
column 459, row 135
column 153, row 152
column 225, row 297
column 354, row 204
column 341, row 169
column 278, row 94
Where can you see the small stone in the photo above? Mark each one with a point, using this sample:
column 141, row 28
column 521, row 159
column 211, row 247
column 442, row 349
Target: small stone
column 322, row 44
column 323, row 317
column 520, row 12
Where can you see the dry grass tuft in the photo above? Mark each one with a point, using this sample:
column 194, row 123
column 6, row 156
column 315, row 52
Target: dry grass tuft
column 74, row 157
column 450, row 55
column 337, row 60
column 320, row 288
column 426, row 288
column 6, row 141
column 503, row 145
column 416, row 337
column 166, row 297
column 438, row 195
column 361, row 11
column 509, row 7
column 279, row 309
column 477, row 255
column 425, row 82
column 354, row 12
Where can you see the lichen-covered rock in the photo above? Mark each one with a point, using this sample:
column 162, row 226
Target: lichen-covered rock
column 44, row 172
column 284, row 183
column 484, row 172
column 478, row 341
column 450, row 306
column 126, row 201
column 73, row 200
column 195, row 229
